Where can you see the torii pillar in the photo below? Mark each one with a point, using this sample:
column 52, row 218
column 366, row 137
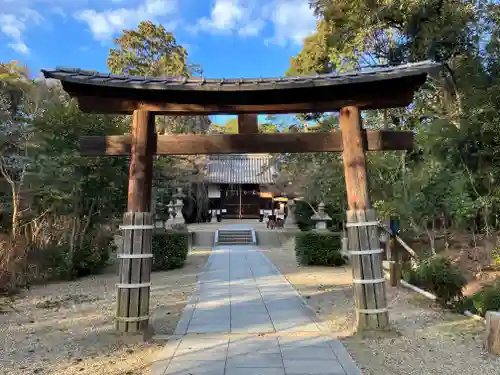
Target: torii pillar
column 362, row 229
column 136, row 256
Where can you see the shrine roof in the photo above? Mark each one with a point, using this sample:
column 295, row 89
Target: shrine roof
column 241, row 169
column 384, row 87
column 87, row 77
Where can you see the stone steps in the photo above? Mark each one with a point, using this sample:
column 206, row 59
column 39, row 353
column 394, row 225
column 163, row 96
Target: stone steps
column 235, row 237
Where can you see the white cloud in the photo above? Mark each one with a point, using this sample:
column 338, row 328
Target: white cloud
column 276, row 21
column 17, row 16
column 291, row 21
column 252, row 28
column 103, row 25
column 20, row 47
column 225, row 15
column 13, row 26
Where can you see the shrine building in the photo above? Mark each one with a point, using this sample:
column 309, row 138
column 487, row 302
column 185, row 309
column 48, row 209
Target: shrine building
column 242, row 185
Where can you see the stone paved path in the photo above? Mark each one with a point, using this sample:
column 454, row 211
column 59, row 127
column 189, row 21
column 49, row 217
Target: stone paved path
column 245, row 318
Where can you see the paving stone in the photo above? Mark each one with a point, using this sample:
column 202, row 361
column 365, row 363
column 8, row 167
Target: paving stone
column 204, row 328
column 254, row 371
column 194, row 343
column 249, row 310
column 302, row 342
column 312, row 367
column 308, row 352
column 195, row 367
column 253, row 344
column 216, row 353
column 259, row 360
column 254, row 327
column 242, row 293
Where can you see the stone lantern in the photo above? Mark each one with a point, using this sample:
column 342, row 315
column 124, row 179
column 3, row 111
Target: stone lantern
column 321, row 218
column 171, row 213
column 178, row 218
column 290, row 222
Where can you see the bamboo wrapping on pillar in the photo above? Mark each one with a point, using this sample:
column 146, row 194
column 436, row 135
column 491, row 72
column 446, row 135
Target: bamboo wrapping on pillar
column 368, row 276
column 135, row 273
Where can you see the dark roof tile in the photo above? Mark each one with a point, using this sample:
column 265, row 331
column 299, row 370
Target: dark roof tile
column 238, row 84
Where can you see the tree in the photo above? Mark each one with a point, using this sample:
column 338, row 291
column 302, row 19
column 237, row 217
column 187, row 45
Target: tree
column 149, row 51
column 152, row 51
column 59, row 207
column 450, row 178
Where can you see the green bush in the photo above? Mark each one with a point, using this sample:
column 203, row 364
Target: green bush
column 170, row 249
column 55, row 263
column 92, row 257
column 439, row 276
column 303, row 213
column 486, row 299
column 318, row 249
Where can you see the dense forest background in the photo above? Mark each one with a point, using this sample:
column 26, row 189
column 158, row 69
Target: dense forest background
column 59, row 210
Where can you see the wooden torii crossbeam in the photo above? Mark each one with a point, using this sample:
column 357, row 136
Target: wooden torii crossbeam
column 144, row 97
column 249, row 143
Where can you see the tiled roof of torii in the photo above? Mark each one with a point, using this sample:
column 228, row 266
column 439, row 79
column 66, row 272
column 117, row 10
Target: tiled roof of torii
column 237, row 84
column 376, row 88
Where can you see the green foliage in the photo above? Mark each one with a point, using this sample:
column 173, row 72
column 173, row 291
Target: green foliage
column 148, row 51
column 318, row 249
column 151, row 50
column 60, row 262
column 303, row 213
column 170, row 249
column 92, row 258
column 486, row 299
column 440, row 276
column 453, row 172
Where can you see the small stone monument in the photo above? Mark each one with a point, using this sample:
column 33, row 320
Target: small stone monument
column 492, row 342
column 321, row 218
column 291, row 223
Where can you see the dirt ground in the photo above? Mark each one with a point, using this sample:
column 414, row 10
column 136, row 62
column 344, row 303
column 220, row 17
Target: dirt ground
column 67, row 328
column 424, row 339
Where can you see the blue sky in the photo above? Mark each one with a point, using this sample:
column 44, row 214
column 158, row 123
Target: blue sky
column 228, row 38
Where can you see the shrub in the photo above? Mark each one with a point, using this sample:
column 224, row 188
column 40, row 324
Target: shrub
column 318, row 249
column 12, row 263
column 23, row 264
column 439, row 276
column 55, row 263
column 170, row 249
column 92, row 256
column 303, row 213
column 486, row 299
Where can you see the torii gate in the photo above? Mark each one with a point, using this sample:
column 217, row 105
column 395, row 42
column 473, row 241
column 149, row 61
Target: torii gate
column 144, row 97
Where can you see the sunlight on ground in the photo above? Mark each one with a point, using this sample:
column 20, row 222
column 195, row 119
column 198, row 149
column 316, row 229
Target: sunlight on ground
column 68, row 328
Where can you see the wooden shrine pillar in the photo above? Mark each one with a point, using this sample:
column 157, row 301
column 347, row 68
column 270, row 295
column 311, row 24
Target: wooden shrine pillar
column 362, row 229
column 136, row 256
column 248, row 124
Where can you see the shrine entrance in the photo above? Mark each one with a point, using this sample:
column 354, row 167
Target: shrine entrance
column 240, row 201
column 145, row 97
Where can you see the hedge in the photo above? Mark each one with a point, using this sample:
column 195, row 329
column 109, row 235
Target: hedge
column 170, row 249
column 318, row 249
column 440, row 276
column 486, row 299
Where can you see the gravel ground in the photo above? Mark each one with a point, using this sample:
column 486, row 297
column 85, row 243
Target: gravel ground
column 67, row 328
column 424, row 339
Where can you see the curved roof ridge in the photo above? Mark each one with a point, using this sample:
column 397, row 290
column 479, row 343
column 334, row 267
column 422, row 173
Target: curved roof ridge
column 89, row 77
